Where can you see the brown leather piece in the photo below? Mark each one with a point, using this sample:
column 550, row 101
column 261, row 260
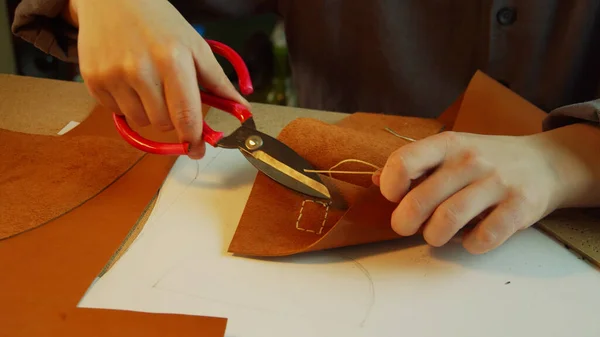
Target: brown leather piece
column 492, row 109
column 43, row 177
column 46, row 271
column 278, row 221
column 109, row 323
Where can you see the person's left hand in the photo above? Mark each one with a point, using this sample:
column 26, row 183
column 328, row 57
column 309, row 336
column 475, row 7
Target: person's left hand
column 467, row 175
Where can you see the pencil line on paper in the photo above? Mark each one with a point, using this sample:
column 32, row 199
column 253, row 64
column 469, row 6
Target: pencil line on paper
column 371, row 288
column 168, row 208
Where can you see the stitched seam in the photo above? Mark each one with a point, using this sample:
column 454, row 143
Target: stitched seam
column 324, row 218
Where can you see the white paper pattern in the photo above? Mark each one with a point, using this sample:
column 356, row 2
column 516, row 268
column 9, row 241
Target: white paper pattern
column 531, row 286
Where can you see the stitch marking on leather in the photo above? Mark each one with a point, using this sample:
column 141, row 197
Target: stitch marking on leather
column 326, row 205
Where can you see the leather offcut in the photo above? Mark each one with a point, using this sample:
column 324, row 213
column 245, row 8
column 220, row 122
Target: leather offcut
column 46, row 271
column 43, row 177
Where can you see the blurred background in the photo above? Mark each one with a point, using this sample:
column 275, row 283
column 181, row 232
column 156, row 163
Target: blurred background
column 260, row 40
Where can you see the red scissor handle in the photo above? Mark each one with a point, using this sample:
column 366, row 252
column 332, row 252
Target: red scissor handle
column 209, row 135
column 238, row 110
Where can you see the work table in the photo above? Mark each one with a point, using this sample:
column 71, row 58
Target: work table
column 46, row 106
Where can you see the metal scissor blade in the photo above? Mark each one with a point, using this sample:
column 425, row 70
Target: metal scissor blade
column 281, row 163
column 286, row 175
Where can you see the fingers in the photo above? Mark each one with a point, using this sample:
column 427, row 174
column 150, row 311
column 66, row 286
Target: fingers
column 412, row 161
column 104, row 98
column 458, row 210
column 420, row 203
column 465, row 179
column 162, row 91
column 130, row 104
column 183, row 102
column 144, row 79
column 211, row 76
column 497, row 227
column 117, row 96
column 162, row 88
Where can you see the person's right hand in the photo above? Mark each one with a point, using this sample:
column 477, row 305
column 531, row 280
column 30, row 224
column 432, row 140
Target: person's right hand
column 140, row 58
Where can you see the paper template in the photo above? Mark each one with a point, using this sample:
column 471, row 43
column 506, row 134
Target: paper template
column 531, row 286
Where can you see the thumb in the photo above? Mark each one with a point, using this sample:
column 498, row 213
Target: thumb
column 376, row 178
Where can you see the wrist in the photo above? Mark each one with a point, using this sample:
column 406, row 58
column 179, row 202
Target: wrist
column 572, row 155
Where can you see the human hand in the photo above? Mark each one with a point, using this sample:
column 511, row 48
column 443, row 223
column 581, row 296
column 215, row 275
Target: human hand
column 140, row 58
column 511, row 181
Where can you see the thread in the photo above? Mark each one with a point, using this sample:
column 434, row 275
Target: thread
column 331, row 170
column 350, row 160
column 399, row 135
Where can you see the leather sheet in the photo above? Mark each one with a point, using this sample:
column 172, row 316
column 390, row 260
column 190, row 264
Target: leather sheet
column 277, row 221
column 47, row 270
column 43, row 177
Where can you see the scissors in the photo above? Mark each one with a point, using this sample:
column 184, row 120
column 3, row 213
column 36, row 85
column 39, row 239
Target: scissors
column 265, row 153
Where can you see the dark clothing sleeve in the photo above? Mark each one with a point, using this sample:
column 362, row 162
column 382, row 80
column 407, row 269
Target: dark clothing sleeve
column 202, row 10
column 586, row 112
column 39, row 22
